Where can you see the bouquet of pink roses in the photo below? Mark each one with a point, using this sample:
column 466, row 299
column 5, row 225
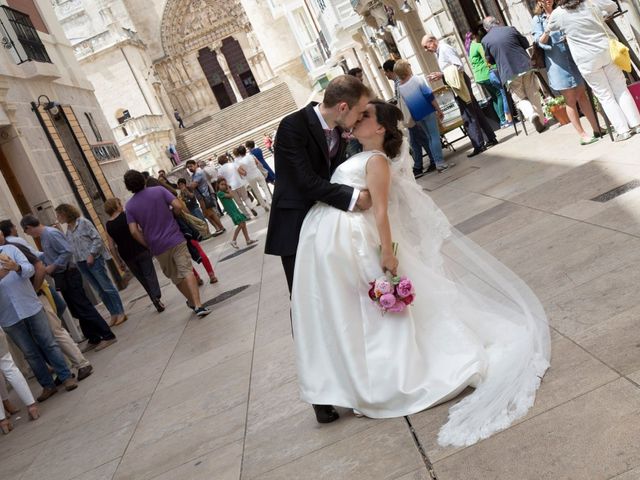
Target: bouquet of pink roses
column 392, row 294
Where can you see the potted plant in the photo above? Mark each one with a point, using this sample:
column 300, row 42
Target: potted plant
column 556, row 107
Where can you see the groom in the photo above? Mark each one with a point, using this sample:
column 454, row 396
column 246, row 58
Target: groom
column 308, row 148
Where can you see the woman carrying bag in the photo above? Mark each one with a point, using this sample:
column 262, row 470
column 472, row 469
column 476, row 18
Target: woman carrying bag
column 563, row 73
column 589, row 41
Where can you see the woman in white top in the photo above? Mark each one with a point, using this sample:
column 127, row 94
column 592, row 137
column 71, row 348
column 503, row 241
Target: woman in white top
column 231, row 173
column 254, row 176
column 582, row 22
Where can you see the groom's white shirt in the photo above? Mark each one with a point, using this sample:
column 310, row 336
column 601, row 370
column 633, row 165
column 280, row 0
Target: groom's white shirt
column 323, row 124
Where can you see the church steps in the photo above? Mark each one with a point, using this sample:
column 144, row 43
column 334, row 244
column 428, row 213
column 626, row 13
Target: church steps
column 251, row 117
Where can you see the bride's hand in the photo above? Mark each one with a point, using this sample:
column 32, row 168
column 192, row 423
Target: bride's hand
column 390, row 264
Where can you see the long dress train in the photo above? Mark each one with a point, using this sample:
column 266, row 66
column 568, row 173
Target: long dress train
column 473, row 321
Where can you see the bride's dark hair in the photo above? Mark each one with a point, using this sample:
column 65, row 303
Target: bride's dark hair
column 388, row 116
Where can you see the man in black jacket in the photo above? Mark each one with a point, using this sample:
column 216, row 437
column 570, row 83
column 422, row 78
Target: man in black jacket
column 507, row 48
column 308, row 148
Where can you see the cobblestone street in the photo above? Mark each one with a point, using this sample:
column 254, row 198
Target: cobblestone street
column 180, row 397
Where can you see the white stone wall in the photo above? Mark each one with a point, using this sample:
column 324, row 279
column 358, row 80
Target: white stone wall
column 24, row 142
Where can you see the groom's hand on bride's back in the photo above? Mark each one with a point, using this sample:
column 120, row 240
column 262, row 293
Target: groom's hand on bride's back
column 364, row 200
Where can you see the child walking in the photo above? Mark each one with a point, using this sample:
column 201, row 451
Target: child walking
column 239, row 220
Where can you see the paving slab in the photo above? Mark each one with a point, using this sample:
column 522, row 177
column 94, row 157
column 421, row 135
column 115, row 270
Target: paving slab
column 217, row 398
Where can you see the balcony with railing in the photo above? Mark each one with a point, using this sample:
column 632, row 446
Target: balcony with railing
column 105, row 151
column 139, row 127
column 19, row 36
column 101, row 41
column 68, row 8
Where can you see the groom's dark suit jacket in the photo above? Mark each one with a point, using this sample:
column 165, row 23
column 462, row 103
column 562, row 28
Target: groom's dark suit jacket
column 303, row 169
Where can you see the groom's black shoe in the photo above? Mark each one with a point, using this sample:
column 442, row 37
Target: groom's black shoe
column 325, row 413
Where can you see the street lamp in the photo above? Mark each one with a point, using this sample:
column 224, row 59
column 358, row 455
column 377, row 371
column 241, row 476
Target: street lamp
column 48, row 105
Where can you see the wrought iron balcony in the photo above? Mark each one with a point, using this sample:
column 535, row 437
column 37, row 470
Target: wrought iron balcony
column 20, row 37
column 105, row 151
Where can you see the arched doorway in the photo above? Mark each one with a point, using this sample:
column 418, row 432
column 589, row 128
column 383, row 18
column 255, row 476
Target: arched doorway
column 216, row 78
column 239, row 67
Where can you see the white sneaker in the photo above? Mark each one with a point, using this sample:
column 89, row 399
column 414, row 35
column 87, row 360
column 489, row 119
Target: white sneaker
column 234, row 244
column 251, row 242
column 636, row 130
column 621, row 137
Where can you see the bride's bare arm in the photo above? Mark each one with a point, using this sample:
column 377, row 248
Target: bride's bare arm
column 378, row 181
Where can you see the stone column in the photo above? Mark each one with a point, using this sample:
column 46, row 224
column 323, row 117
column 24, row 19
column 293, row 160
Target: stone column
column 415, row 31
column 366, row 66
column 227, row 71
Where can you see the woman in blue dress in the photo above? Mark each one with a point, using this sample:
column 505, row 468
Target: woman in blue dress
column 563, row 73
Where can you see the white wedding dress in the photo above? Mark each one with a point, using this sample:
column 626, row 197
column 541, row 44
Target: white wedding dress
column 473, row 321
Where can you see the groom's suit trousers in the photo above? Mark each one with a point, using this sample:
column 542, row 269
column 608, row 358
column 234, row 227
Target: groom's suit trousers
column 288, row 263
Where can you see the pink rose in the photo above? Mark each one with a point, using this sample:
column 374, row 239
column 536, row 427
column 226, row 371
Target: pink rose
column 404, row 288
column 387, row 301
column 397, row 307
column 383, row 286
column 372, row 291
column 408, row 300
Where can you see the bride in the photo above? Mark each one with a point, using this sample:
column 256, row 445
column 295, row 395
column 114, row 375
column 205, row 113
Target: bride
column 473, row 322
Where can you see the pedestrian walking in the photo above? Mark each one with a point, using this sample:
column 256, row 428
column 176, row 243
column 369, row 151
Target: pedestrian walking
column 202, row 188
column 257, row 152
column 562, row 72
column 229, row 170
column 89, row 254
column 23, row 319
column 60, row 334
column 238, row 218
column 18, row 383
column 268, row 142
column 129, row 253
column 150, row 215
column 506, row 47
column 486, row 75
column 452, row 72
column 418, row 139
column 178, row 118
column 58, row 258
column 255, row 176
column 588, row 38
column 189, row 199
column 424, row 109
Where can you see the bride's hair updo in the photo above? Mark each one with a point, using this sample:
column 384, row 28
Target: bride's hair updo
column 389, row 116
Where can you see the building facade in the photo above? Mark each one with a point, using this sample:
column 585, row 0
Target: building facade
column 55, row 144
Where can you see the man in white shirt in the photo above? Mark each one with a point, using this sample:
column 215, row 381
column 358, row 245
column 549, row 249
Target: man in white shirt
column 474, row 120
column 229, row 170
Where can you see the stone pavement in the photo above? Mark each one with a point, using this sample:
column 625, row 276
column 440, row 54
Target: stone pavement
column 216, row 398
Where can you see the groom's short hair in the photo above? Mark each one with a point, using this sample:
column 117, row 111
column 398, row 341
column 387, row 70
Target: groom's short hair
column 345, row 88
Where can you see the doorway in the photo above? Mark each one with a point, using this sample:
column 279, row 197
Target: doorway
column 216, row 78
column 222, row 97
column 14, row 185
column 240, row 69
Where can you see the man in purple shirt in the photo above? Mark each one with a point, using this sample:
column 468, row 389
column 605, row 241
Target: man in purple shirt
column 152, row 224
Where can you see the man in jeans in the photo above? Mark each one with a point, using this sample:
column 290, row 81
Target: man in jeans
column 418, row 139
column 202, row 188
column 60, row 334
column 152, row 224
column 475, row 122
column 24, row 320
column 58, row 256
